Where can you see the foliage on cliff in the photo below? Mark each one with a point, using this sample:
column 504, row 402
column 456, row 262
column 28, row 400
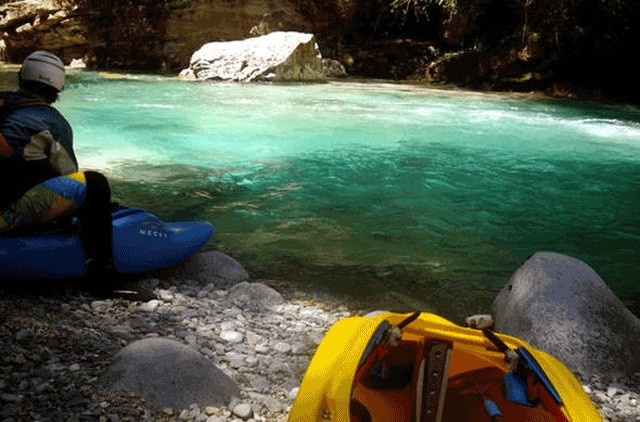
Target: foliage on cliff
column 562, row 46
column 516, row 44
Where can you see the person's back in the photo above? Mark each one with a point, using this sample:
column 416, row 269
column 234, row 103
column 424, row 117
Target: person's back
column 36, row 144
column 38, row 166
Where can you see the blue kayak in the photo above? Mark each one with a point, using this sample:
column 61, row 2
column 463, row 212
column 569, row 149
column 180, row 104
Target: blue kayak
column 141, row 242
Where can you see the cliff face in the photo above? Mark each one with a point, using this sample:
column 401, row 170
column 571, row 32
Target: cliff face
column 146, row 35
column 482, row 44
column 43, row 24
column 151, row 35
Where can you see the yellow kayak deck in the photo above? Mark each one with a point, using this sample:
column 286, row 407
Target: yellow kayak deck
column 422, row 367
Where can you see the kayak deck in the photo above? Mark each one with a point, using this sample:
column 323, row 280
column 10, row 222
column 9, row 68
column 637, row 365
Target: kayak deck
column 431, row 370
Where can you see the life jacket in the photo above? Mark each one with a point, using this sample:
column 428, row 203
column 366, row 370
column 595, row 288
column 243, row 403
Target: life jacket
column 5, row 109
column 24, row 102
column 26, row 174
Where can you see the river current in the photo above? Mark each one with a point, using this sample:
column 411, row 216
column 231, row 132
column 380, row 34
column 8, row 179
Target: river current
column 393, row 194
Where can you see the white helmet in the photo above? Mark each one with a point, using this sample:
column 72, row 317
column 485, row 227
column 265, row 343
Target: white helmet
column 43, row 67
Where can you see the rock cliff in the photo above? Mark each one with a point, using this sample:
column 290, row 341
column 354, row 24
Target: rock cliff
column 581, row 46
column 145, row 35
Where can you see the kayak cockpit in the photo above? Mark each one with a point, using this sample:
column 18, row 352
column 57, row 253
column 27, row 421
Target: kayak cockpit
column 432, row 380
column 424, row 368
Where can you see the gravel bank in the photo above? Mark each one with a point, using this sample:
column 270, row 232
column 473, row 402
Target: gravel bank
column 57, row 343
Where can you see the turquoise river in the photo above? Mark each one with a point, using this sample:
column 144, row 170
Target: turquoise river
column 390, row 194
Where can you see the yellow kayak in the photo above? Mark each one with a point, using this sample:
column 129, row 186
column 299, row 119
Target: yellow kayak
column 421, row 367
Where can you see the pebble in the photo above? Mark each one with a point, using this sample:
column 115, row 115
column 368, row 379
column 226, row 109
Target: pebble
column 243, row 411
column 232, row 336
column 56, row 345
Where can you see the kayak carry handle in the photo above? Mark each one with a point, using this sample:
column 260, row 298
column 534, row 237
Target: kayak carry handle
column 408, row 320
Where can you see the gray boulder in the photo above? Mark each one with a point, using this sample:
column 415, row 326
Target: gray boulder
column 207, row 267
column 332, row 68
column 561, row 305
column 278, row 56
column 254, row 296
column 169, row 374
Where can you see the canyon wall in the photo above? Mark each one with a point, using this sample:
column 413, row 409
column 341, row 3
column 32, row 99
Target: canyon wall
column 508, row 45
column 151, row 35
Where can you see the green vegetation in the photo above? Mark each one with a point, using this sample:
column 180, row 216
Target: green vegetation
column 584, row 43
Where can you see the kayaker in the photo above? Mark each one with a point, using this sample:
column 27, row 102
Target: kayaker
column 41, row 181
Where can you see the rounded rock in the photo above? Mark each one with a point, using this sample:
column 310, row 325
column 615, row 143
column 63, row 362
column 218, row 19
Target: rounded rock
column 169, row 374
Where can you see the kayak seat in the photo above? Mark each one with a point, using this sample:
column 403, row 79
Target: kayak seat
column 387, row 392
column 409, row 385
column 395, row 372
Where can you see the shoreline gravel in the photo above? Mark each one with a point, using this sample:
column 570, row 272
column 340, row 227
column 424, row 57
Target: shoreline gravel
column 57, row 342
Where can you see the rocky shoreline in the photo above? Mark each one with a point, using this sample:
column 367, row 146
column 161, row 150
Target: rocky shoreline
column 58, row 341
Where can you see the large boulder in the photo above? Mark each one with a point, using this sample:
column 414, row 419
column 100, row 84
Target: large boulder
column 210, row 267
column 561, row 305
column 169, row 374
column 278, row 56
